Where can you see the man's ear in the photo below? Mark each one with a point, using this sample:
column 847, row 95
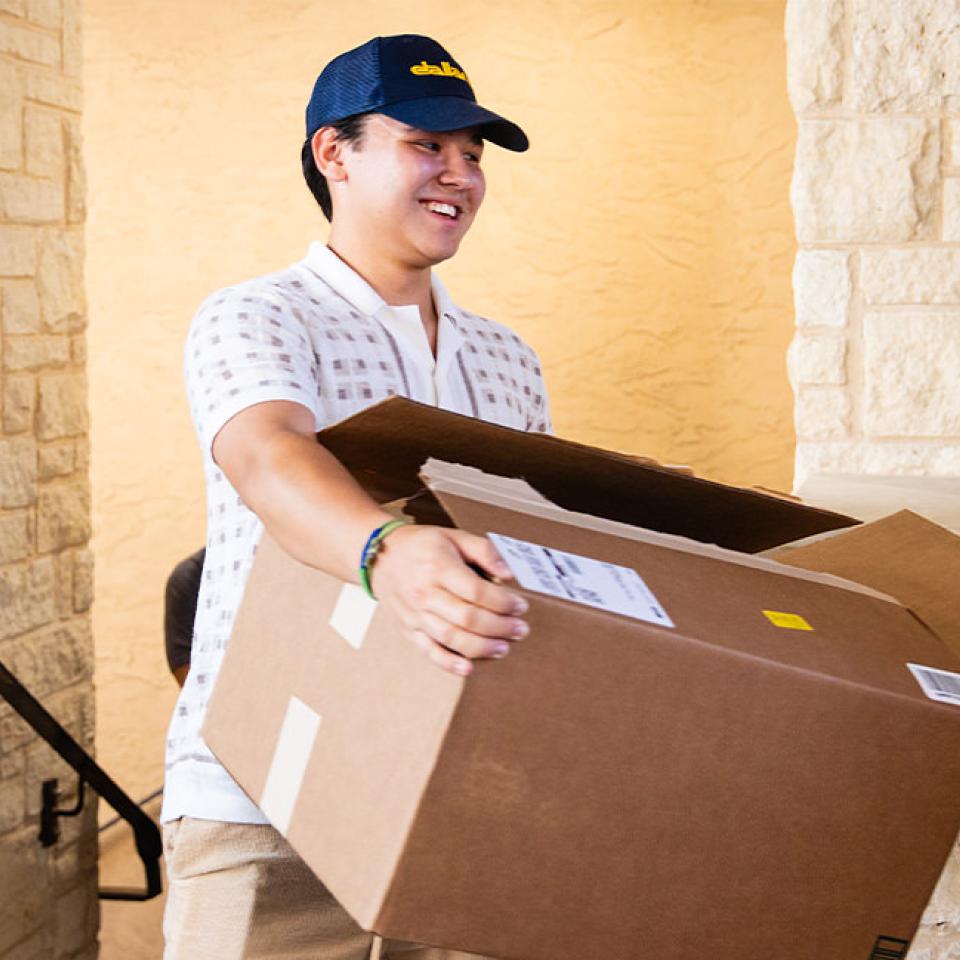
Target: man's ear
column 328, row 154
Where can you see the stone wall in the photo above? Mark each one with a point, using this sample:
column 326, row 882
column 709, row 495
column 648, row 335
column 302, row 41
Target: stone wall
column 875, row 362
column 48, row 905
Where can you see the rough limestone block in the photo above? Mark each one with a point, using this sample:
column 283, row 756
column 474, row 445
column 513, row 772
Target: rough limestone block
column 81, row 448
column 953, row 143
column 78, row 350
column 26, row 598
column 76, row 176
column 18, row 472
column 11, row 805
column 43, row 134
column 822, row 288
column 911, row 372
column 53, row 659
column 44, row 86
column 72, row 38
column 814, row 31
column 905, row 54
column 924, row 275
column 822, row 413
column 63, row 580
column 32, row 353
column 16, row 7
column 915, row 459
column 19, row 403
column 881, row 458
column 60, row 280
column 55, row 460
column 26, row 43
column 21, row 309
column 63, row 516
column 12, row 762
column 24, row 891
column 15, row 543
column 78, row 917
column 63, row 406
column 82, row 580
column 951, row 209
column 817, row 360
column 18, row 251
column 30, row 201
column 46, row 13
column 11, row 107
column 867, row 180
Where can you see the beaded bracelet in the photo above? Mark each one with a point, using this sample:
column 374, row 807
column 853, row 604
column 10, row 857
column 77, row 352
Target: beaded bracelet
column 371, row 548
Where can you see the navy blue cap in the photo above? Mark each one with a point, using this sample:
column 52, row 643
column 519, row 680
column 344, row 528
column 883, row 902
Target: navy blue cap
column 412, row 79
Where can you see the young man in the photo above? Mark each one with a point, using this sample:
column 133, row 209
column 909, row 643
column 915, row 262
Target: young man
column 393, row 154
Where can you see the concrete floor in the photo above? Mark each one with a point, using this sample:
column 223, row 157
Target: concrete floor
column 128, row 930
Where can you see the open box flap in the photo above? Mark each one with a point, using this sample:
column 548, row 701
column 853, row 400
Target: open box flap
column 385, row 445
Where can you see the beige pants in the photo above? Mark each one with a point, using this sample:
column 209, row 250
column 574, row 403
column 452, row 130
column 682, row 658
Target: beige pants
column 239, row 892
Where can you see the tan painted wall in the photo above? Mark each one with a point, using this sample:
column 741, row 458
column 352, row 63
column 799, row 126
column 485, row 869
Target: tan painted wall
column 643, row 246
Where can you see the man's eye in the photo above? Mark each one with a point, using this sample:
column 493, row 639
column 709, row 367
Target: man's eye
column 430, row 145
column 473, row 157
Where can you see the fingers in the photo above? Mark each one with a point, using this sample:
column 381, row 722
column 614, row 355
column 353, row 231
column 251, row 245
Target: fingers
column 440, row 656
column 462, row 582
column 450, row 612
column 482, row 552
column 468, row 644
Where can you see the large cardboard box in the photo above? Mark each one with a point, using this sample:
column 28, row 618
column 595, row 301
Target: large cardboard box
column 696, row 752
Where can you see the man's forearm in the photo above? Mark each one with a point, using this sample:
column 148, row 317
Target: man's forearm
column 307, row 500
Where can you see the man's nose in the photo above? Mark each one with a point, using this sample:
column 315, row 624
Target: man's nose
column 457, row 170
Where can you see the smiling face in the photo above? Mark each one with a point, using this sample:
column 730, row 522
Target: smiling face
column 403, row 194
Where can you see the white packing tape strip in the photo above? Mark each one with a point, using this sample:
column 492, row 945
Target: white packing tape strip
column 290, row 758
column 352, row 614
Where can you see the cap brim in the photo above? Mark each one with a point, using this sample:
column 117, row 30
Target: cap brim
column 443, row 114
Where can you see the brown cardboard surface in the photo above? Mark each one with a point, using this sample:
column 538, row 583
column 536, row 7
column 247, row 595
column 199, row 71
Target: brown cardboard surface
column 385, row 445
column 904, row 555
column 613, row 789
column 855, row 638
column 384, row 713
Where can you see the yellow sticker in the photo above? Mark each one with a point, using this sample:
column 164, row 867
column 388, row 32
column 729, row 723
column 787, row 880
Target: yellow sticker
column 789, row 621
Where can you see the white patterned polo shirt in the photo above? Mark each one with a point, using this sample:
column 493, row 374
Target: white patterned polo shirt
column 316, row 334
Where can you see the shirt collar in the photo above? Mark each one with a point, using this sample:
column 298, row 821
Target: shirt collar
column 356, row 291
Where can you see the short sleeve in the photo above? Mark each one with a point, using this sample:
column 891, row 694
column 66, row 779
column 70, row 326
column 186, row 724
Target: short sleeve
column 246, row 348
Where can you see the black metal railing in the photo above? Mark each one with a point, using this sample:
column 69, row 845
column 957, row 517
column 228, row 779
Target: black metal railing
column 89, row 772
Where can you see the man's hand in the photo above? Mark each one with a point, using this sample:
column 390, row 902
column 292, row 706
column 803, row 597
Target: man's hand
column 450, row 612
column 318, row 513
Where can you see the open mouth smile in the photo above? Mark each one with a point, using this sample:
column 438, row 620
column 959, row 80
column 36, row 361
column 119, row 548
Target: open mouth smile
column 447, row 211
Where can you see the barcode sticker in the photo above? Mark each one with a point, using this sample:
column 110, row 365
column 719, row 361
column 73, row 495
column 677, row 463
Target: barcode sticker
column 940, row 685
column 581, row 579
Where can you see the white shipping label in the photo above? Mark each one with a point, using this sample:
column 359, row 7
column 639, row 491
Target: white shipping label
column 940, row 685
column 581, row 579
column 290, row 757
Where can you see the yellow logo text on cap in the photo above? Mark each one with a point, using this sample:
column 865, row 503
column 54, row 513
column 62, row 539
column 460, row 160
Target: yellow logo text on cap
column 788, row 621
column 446, row 69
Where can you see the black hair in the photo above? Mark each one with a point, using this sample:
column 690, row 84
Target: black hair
column 349, row 130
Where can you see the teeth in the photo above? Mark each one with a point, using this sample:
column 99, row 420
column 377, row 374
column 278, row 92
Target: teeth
column 447, row 209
